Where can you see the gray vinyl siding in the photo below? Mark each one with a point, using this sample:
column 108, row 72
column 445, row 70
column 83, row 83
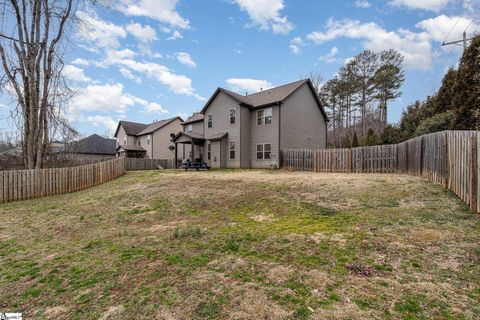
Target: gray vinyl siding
column 264, row 134
column 244, row 146
column 162, row 140
column 220, row 109
column 303, row 125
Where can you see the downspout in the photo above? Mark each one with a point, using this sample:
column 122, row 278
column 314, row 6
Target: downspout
column 151, row 146
column 279, row 134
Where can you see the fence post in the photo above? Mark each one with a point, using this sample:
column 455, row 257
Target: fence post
column 350, row 159
column 474, row 175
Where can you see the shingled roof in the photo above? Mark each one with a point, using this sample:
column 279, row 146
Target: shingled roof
column 94, row 144
column 156, row 125
column 131, row 128
column 194, row 118
column 267, row 97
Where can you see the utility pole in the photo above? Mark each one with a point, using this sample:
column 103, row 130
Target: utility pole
column 464, row 41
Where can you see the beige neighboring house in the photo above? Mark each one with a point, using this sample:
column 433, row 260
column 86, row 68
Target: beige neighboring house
column 235, row 131
column 153, row 141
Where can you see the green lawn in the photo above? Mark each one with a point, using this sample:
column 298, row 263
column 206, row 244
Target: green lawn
column 243, row 245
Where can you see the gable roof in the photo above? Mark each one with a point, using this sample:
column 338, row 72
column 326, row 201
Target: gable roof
column 194, row 118
column 268, row 97
column 131, row 128
column 94, row 144
column 157, row 125
column 131, row 148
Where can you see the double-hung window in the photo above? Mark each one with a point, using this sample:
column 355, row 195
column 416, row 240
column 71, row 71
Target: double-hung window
column 232, row 116
column 232, row 150
column 264, row 116
column 189, row 128
column 210, row 121
column 263, row 151
column 148, row 140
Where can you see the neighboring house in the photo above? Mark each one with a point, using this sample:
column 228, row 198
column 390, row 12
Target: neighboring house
column 154, row 141
column 235, row 131
column 93, row 147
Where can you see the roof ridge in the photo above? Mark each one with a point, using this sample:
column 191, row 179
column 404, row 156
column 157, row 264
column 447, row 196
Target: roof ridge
column 278, row 87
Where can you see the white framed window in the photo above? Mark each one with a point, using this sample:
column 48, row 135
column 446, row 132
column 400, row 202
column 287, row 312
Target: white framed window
column 209, row 150
column 210, row 121
column 264, row 116
column 139, row 142
column 232, row 150
column 124, row 141
column 233, row 114
column 189, row 128
column 148, row 140
column 264, row 151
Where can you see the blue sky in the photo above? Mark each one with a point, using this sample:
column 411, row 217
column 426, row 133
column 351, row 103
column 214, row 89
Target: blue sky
column 143, row 60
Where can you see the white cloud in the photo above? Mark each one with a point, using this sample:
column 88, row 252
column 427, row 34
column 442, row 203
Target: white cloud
column 160, row 10
column 144, row 34
column 81, row 62
column 185, row 59
column 248, row 85
column 153, row 107
column 434, row 5
column 101, row 33
column 415, row 47
column 74, row 73
column 109, row 98
column 266, row 14
column 104, row 121
column 129, row 75
column 175, row 35
column 102, row 98
column 331, row 56
column 296, row 45
column 362, row 4
column 438, row 28
column 179, row 84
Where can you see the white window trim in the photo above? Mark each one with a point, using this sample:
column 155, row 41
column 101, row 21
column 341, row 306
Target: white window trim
column 234, row 116
column 230, row 150
column 265, row 115
column 210, row 119
column 263, row 151
column 189, row 127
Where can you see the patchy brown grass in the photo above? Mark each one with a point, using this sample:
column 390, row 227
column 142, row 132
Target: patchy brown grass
column 243, row 245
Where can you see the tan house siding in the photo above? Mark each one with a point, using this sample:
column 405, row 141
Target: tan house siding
column 303, row 125
column 121, row 136
column 197, row 127
column 264, row 134
column 145, row 145
column 162, row 140
column 220, row 109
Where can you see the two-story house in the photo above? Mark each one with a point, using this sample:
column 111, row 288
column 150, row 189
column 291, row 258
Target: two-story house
column 152, row 141
column 236, row 131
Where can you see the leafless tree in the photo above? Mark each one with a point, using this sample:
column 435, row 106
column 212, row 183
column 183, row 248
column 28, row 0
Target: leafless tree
column 33, row 38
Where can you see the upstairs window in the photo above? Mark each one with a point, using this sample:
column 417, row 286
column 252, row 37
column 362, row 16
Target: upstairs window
column 189, row 128
column 232, row 150
column 264, row 116
column 139, row 143
column 232, row 116
column 264, row 151
column 209, row 121
column 148, row 140
column 124, row 141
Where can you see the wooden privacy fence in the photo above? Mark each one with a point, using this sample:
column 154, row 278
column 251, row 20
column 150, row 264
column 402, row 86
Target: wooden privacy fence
column 133, row 164
column 28, row 184
column 449, row 157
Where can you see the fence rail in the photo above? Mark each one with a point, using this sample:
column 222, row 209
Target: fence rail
column 28, row 184
column 450, row 158
column 133, row 164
